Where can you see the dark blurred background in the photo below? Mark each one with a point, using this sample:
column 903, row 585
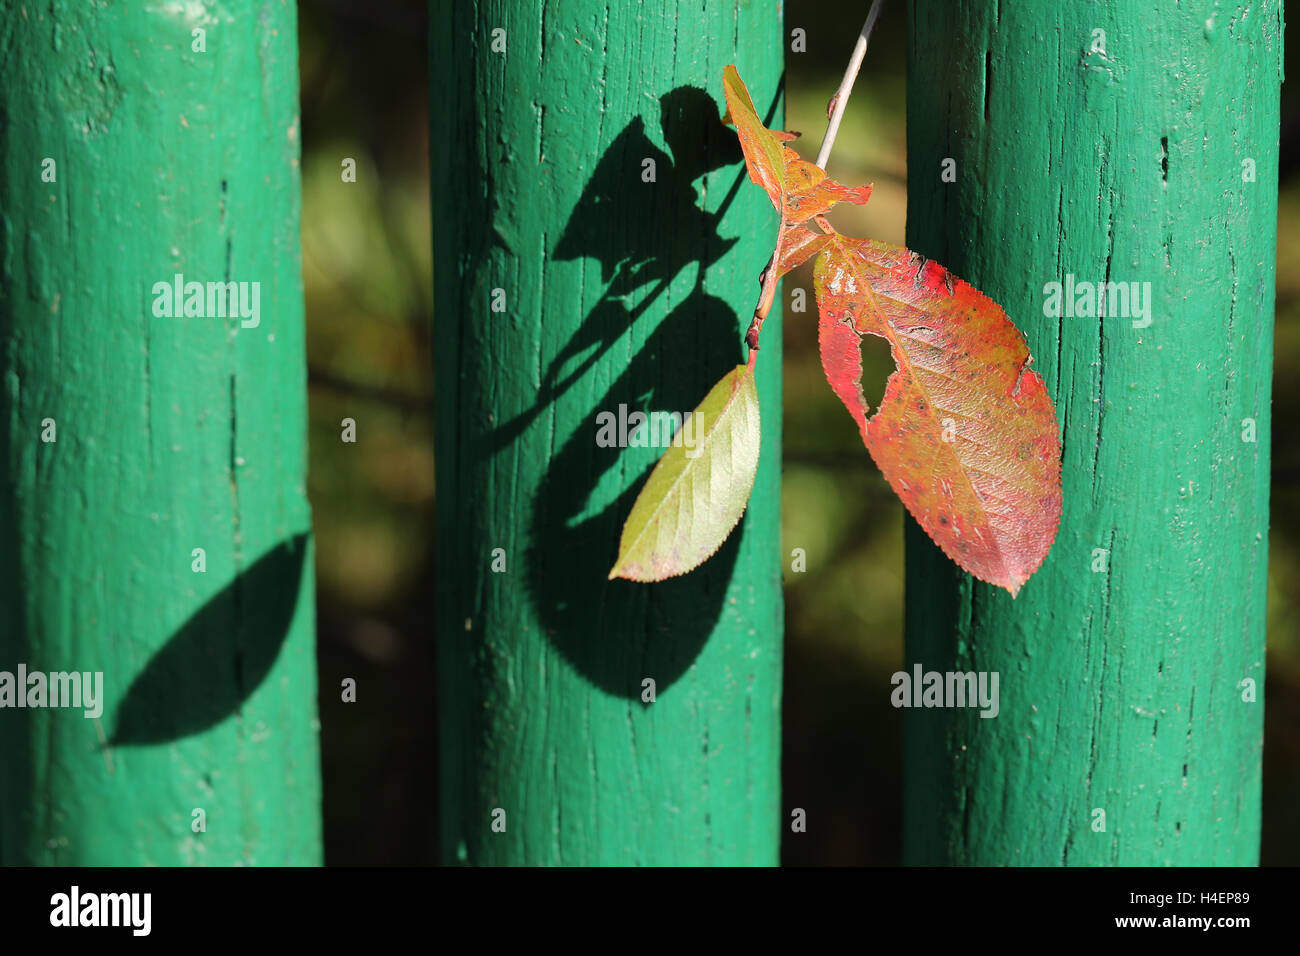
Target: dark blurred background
column 368, row 272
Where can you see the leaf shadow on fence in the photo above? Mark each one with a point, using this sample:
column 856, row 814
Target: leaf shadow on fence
column 219, row 657
column 618, row 633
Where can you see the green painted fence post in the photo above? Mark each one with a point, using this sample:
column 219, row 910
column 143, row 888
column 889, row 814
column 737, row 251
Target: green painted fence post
column 597, row 249
column 139, row 143
column 1132, row 142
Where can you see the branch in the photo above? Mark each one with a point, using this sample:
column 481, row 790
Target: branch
column 766, row 296
column 841, row 97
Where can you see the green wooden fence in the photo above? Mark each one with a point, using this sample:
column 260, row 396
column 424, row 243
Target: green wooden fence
column 597, row 252
column 596, row 248
column 140, row 143
column 1131, row 142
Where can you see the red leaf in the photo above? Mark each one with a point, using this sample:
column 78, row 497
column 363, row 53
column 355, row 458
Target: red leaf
column 966, row 433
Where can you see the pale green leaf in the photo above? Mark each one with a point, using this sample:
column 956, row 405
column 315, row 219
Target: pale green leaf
column 695, row 495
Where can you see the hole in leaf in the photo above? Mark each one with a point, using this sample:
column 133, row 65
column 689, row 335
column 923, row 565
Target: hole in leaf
column 877, row 366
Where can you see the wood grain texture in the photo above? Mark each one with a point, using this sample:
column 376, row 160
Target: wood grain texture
column 616, row 291
column 172, row 434
column 1120, row 687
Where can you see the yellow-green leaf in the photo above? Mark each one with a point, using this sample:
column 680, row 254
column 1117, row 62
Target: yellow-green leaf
column 699, row 489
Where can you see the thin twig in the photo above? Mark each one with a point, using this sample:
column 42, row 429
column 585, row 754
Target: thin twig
column 841, row 98
column 765, row 298
column 838, row 102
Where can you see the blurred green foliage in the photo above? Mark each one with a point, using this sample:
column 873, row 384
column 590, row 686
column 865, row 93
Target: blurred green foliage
column 367, row 266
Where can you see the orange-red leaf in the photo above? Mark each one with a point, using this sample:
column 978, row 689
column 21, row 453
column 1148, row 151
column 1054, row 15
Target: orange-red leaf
column 798, row 189
column 811, row 192
column 966, row 433
column 764, row 154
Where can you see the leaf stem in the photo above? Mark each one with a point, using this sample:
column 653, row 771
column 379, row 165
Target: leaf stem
column 841, row 97
column 766, row 296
